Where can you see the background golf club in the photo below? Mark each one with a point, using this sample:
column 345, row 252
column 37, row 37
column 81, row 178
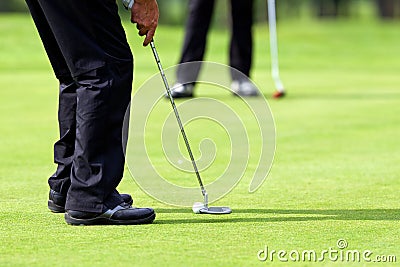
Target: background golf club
column 205, row 209
column 273, row 39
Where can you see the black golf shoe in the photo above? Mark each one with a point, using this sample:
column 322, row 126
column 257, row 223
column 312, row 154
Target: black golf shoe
column 122, row 214
column 56, row 202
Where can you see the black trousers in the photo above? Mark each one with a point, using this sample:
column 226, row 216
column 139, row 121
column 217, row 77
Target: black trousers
column 197, row 25
column 91, row 58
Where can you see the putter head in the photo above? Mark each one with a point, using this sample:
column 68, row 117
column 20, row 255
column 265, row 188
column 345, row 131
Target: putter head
column 205, row 209
column 215, row 210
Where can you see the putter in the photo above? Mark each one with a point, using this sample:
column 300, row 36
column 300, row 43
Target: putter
column 273, row 39
column 202, row 209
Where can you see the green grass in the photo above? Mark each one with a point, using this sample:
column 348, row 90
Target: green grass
column 335, row 174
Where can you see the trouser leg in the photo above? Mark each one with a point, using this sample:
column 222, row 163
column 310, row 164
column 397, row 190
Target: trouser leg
column 98, row 57
column 197, row 25
column 241, row 47
column 64, row 147
column 99, row 159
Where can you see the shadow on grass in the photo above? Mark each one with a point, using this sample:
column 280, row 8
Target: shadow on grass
column 309, row 96
column 275, row 215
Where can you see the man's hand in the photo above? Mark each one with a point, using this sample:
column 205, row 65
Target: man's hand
column 145, row 14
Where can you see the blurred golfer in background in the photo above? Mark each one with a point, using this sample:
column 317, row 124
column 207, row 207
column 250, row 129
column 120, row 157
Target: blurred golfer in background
column 240, row 57
column 91, row 58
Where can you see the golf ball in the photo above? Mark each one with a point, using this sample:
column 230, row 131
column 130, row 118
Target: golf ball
column 197, row 206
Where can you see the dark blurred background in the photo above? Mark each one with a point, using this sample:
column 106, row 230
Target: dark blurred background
column 173, row 12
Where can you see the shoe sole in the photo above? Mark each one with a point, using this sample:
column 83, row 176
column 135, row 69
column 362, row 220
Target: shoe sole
column 105, row 221
column 54, row 207
column 61, row 209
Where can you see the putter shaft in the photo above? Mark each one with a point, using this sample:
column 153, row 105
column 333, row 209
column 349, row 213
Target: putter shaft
column 167, row 88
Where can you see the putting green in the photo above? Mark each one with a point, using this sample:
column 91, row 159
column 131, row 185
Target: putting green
column 335, row 176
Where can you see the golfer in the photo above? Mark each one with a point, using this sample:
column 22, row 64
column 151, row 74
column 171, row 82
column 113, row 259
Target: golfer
column 91, row 58
column 241, row 46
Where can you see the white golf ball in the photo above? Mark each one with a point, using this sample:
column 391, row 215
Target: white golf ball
column 197, row 206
